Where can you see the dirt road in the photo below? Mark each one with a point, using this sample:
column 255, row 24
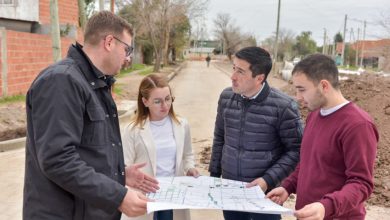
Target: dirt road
column 197, row 90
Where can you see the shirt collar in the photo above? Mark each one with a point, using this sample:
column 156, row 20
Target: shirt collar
column 326, row 112
column 107, row 80
column 257, row 94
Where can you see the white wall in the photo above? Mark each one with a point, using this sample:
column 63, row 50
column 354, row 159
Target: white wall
column 27, row 10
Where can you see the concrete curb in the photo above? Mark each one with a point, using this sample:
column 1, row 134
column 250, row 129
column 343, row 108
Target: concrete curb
column 175, row 71
column 229, row 74
column 12, row 144
column 124, row 118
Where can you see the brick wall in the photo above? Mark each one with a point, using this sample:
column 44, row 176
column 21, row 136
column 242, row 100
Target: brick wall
column 27, row 55
column 1, row 63
column 67, row 9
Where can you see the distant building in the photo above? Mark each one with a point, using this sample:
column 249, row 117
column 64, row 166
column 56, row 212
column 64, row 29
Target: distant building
column 200, row 49
column 375, row 53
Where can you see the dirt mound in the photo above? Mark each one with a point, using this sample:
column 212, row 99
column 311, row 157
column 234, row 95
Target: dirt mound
column 12, row 121
column 372, row 93
column 13, row 115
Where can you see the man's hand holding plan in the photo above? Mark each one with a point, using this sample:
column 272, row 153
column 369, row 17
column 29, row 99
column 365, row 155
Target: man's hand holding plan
column 211, row 193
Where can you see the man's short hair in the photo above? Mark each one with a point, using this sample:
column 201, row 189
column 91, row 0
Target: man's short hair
column 104, row 23
column 318, row 67
column 259, row 59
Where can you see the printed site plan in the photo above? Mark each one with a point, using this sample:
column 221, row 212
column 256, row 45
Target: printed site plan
column 211, row 193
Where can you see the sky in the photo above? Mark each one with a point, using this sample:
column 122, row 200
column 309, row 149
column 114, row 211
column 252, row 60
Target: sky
column 258, row 17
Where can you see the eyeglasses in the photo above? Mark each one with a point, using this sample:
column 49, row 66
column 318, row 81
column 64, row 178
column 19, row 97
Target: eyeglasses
column 128, row 49
column 168, row 100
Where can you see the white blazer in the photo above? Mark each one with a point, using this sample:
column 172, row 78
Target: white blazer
column 138, row 147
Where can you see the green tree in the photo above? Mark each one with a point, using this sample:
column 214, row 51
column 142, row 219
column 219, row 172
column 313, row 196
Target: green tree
column 89, row 8
column 350, row 55
column 179, row 37
column 286, row 43
column 304, row 45
column 155, row 20
column 338, row 38
column 230, row 35
column 150, row 32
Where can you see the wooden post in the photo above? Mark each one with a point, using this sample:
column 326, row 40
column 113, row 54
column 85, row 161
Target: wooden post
column 343, row 46
column 55, row 30
column 82, row 16
column 362, row 48
column 4, row 60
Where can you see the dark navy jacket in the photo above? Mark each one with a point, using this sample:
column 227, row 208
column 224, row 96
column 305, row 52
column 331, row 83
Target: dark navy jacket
column 74, row 157
column 255, row 138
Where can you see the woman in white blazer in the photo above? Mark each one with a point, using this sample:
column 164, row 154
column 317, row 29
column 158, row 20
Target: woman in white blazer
column 160, row 138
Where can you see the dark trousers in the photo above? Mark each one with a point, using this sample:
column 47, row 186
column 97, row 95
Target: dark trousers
column 233, row 215
column 163, row 215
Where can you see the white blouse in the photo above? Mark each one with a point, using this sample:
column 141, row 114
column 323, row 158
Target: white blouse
column 164, row 140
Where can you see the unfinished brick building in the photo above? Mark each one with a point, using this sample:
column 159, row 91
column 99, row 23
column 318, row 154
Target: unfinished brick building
column 25, row 40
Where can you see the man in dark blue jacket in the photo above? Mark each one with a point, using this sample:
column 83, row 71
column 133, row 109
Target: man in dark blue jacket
column 258, row 129
column 74, row 158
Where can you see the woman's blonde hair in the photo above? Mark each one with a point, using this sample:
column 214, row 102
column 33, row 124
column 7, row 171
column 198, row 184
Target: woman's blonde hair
column 149, row 83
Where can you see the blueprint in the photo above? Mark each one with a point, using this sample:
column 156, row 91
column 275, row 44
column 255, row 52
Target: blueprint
column 211, row 193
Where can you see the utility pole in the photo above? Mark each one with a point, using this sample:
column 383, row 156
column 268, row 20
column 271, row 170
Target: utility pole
column 350, row 44
column 55, row 30
column 364, row 37
column 343, row 47
column 201, row 41
column 334, row 49
column 357, row 48
column 101, row 5
column 324, row 44
column 276, row 37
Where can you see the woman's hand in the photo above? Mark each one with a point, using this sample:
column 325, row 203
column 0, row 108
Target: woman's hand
column 193, row 172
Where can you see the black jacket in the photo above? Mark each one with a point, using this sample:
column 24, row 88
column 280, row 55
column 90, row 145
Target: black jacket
column 256, row 138
column 74, row 157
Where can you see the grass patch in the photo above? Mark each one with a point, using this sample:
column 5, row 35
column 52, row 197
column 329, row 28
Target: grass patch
column 118, row 89
column 11, row 99
column 146, row 71
column 138, row 66
column 134, row 67
column 352, row 68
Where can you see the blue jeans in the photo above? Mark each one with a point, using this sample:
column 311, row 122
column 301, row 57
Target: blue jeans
column 233, row 215
column 163, row 215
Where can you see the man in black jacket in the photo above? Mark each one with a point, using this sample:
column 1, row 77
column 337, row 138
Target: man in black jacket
column 74, row 157
column 258, row 129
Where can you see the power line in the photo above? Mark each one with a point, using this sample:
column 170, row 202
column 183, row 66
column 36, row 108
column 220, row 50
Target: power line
column 313, row 9
column 362, row 21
